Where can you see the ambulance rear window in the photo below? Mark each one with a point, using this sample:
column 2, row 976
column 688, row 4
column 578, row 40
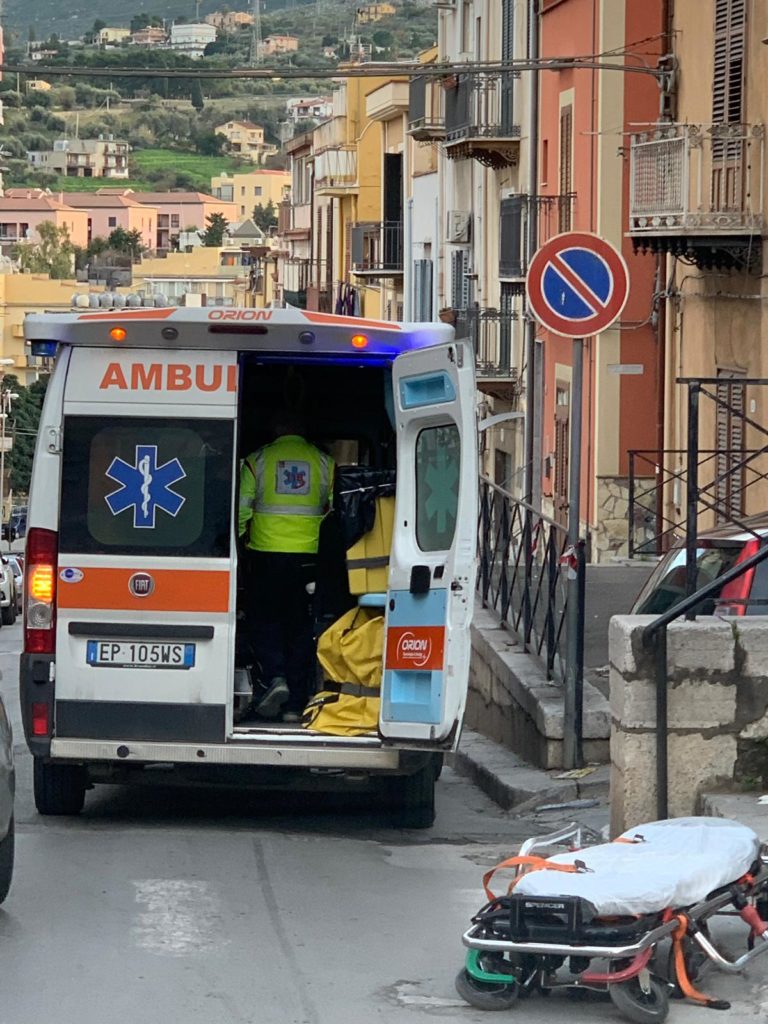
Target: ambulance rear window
column 154, row 485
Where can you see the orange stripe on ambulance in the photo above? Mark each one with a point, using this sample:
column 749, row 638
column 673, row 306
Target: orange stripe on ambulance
column 169, row 377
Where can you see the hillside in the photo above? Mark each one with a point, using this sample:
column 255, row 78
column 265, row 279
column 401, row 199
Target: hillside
column 72, row 19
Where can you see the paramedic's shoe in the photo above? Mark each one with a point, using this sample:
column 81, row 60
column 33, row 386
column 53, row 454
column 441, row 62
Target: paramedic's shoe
column 276, row 694
column 292, row 717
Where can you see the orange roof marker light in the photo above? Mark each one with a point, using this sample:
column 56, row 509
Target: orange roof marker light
column 118, row 334
column 359, row 341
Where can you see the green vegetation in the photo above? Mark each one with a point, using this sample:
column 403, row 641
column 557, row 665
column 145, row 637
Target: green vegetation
column 22, row 424
column 201, row 168
column 54, row 254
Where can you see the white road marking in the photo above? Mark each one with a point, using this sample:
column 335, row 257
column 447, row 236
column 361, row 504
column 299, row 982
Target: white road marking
column 179, row 917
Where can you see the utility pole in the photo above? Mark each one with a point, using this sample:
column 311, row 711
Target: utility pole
column 533, row 362
column 197, row 11
column 256, row 40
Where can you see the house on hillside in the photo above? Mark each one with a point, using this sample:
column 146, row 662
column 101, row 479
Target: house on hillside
column 229, row 21
column 192, row 39
column 310, row 108
column 273, row 46
column 246, row 139
column 151, row 36
column 375, row 12
column 109, row 36
column 83, row 158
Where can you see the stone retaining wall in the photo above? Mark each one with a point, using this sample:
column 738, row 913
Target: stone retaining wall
column 717, row 712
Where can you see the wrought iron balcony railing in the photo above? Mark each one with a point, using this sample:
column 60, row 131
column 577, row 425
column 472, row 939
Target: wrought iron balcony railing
column 697, row 179
column 492, row 335
column 377, row 248
column 479, row 117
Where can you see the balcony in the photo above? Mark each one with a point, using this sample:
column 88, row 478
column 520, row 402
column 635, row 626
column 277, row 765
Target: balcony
column 491, row 332
column 479, row 118
column 377, row 249
column 696, row 191
column 426, row 121
column 336, row 172
column 387, row 101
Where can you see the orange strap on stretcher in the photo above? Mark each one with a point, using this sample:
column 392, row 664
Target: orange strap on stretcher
column 530, row 863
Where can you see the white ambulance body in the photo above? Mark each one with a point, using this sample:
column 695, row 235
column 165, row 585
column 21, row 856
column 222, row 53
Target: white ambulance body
column 131, row 596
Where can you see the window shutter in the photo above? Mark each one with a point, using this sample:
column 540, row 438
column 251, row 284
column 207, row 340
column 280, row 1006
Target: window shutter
column 729, row 444
column 422, row 290
column 511, row 237
column 566, row 166
column 417, row 99
column 358, row 245
column 728, row 84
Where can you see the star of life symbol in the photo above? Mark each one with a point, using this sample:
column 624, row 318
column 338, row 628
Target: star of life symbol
column 293, row 477
column 145, row 487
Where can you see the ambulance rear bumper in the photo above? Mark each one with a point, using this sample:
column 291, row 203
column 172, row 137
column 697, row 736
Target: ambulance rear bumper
column 371, row 758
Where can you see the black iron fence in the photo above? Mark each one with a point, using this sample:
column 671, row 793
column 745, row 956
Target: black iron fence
column 491, row 334
column 480, row 105
column 525, row 564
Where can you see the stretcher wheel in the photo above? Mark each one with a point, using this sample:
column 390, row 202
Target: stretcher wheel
column 486, row 995
column 638, row 1006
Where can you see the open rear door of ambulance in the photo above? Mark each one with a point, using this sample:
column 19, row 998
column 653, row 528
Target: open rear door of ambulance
column 146, row 589
column 433, row 561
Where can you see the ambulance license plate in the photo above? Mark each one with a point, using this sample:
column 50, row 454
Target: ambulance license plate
column 131, row 654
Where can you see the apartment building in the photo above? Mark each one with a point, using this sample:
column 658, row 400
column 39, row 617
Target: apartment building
column 275, row 45
column 152, row 36
column 698, row 210
column 182, row 211
column 246, row 139
column 22, row 215
column 250, row 189
column 84, row 158
column 369, row 13
column 113, row 36
column 301, row 280
column 229, row 21
column 309, row 108
column 191, row 39
column 108, row 212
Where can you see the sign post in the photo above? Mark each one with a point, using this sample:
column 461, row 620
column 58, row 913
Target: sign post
column 577, row 285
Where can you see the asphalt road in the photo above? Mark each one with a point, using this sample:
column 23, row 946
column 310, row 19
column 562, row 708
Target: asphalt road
column 160, row 905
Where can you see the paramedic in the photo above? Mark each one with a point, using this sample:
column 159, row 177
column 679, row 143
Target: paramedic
column 285, row 490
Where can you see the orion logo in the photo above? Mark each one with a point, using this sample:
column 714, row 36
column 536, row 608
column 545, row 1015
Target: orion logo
column 415, row 649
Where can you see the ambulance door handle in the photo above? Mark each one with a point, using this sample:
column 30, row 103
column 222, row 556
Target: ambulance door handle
column 421, row 577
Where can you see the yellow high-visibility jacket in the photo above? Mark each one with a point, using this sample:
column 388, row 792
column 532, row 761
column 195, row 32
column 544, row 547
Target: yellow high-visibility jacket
column 285, row 490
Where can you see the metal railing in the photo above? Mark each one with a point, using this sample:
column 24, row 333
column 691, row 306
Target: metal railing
column 377, row 247
column 705, row 179
column 479, row 105
column 525, row 561
column 491, row 334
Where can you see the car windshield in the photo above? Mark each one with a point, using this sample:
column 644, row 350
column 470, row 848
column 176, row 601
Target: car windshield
column 666, row 584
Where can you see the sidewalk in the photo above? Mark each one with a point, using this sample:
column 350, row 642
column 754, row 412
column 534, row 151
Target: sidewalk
column 522, row 789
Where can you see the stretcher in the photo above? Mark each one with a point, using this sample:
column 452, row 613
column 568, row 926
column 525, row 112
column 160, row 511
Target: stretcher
column 631, row 917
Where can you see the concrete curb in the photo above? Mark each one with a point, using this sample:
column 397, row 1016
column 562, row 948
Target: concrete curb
column 515, row 785
column 741, row 807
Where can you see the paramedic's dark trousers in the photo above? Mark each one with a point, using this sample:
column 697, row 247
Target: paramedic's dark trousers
column 279, row 616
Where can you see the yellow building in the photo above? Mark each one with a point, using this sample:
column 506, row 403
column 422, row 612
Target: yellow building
column 246, row 139
column 375, row 12
column 250, row 189
column 109, row 36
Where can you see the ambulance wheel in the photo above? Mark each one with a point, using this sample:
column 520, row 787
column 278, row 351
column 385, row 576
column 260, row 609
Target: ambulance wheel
column 6, row 860
column 486, row 995
column 59, row 788
column 9, row 613
column 638, row 1006
column 414, row 797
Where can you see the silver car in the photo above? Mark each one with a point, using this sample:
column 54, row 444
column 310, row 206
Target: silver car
column 7, row 789
column 9, row 600
column 18, row 575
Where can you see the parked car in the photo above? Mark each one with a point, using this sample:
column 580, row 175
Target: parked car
column 9, row 600
column 717, row 550
column 7, row 789
column 17, row 568
column 16, row 527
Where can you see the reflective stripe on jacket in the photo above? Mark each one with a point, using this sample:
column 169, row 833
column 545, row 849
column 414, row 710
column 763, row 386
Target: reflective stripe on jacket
column 285, row 490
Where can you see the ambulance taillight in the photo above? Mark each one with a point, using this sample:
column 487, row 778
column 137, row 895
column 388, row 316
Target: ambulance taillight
column 40, row 592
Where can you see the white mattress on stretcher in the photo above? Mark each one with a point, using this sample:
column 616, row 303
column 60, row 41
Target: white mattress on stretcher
column 679, row 863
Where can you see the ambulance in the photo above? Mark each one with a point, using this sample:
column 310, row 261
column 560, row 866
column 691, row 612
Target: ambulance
column 132, row 601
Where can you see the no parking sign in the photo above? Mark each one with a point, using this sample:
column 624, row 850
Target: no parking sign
column 577, row 284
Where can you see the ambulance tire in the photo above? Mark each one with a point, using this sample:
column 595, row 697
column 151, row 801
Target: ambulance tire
column 9, row 613
column 415, row 798
column 7, row 847
column 59, row 788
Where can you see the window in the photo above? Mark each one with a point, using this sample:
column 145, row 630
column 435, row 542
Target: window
column 154, row 485
column 242, row 190
column 174, row 220
column 466, row 23
column 112, row 222
column 257, row 190
column 438, row 454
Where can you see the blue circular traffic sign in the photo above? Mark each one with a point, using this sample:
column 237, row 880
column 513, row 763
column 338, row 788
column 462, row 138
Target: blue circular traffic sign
column 577, row 284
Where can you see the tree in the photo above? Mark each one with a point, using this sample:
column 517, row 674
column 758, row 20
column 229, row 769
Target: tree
column 22, row 424
column 265, row 217
column 209, row 143
column 52, row 255
column 197, row 98
column 129, row 242
column 213, row 236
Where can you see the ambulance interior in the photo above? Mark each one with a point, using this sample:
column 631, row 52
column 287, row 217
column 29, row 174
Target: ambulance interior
column 347, row 411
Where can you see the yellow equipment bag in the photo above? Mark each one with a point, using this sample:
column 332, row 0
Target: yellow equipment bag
column 368, row 560
column 351, row 654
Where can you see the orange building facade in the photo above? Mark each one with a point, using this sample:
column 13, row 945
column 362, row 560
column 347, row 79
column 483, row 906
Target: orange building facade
column 585, row 118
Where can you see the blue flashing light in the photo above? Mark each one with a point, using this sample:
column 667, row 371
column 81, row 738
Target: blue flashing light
column 43, row 348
